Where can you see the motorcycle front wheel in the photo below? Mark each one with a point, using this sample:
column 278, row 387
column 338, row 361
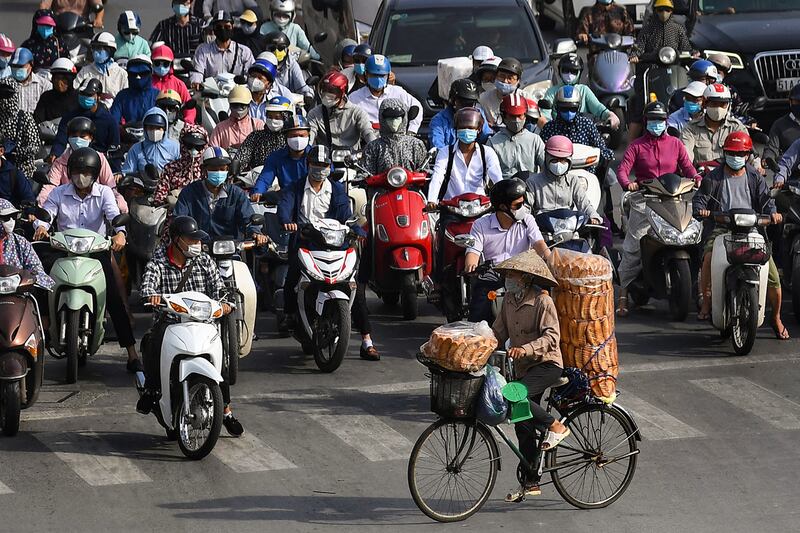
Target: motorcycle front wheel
column 745, row 319
column 198, row 430
column 796, row 287
column 332, row 335
column 408, row 297
column 72, row 340
column 680, row 289
column 230, row 339
column 9, row 408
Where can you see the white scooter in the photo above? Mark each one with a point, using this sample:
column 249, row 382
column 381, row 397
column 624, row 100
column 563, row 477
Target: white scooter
column 213, row 103
column 191, row 406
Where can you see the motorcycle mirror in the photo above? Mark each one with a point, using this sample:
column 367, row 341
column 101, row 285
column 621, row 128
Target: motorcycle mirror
column 464, row 240
column 257, row 220
column 563, row 46
column 38, row 212
column 234, row 167
column 413, row 112
column 123, row 219
column 190, row 104
column 758, row 136
column 759, row 103
column 151, row 172
column 240, row 80
column 321, row 36
column 312, row 81
column 186, row 64
column 545, row 104
column 771, row 164
column 40, row 177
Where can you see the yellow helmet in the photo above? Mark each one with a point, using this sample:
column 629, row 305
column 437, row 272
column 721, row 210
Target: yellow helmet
column 240, row 95
column 169, row 94
column 664, row 3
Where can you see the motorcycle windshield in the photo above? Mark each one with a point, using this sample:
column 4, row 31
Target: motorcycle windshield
column 676, row 212
column 611, row 73
column 664, row 81
column 560, row 221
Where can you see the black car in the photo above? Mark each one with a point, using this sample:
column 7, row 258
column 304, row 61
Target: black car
column 415, row 34
column 759, row 37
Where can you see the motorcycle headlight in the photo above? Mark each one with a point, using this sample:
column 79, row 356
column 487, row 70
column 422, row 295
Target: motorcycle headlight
column 79, row 245
column 8, row 285
column 671, row 235
column 736, row 59
column 794, row 189
column 667, row 55
column 563, row 225
column 745, row 220
column 199, row 310
column 334, row 237
column 223, row 248
column 397, row 177
column 537, row 90
column 469, row 208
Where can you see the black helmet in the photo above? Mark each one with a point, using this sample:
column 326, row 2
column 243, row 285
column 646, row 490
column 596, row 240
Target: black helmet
column 193, row 138
column 506, row 191
column 464, row 89
column 81, row 125
column 570, row 63
column 155, row 119
column 186, row 226
column 468, row 117
column 655, row 111
column 91, row 86
column 319, row 155
column 512, row 65
column 276, row 39
column 84, row 159
column 363, row 50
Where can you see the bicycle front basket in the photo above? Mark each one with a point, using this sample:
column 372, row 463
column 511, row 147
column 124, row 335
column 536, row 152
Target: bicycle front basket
column 453, row 394
column 746, row 250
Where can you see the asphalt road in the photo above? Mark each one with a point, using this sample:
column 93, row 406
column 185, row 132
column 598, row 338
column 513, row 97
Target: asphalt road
column 329, row 452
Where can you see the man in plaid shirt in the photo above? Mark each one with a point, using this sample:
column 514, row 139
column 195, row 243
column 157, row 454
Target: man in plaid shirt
column 166, row 273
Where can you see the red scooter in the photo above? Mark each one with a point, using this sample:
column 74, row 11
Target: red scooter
column 458, row 213
column 401, row 237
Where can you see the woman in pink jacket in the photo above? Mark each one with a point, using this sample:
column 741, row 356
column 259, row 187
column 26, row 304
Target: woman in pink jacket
column 164, row 78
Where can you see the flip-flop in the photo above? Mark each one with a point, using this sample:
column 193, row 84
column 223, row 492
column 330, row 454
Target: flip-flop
column 782, row 335
column 553, row 439
column 623, row 311
column 703, row 317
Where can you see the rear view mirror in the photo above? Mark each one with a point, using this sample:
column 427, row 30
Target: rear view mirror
column 563, row 46
column 123, row 219
column 770, row 164
column 151, row 172
column 545, row 104
column 190, row 104
column 40, row 177
column 759, row 103
column 186, row 64
column 413, row 113
column 319, row 37
column 38, row 212
column 257, row 220
column 464, row 240
column 234, row 167
column 240, row 80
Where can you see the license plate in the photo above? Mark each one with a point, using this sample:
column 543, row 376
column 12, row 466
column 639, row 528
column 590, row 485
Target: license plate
column 640, row 9
column 784, row 85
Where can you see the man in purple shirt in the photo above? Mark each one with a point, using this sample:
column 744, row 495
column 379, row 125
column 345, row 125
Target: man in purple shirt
column 510, row 230
column 221, row 55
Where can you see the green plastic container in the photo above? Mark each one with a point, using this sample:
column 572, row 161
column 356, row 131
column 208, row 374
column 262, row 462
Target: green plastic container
column 517, row 395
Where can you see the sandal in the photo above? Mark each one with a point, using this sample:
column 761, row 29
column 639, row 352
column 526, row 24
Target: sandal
column 782, row 335
column 553, row 439
column 703, row 317
column 622, row 310
column 522, row 492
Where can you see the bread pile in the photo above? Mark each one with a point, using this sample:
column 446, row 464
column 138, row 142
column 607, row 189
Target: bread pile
column 461, row 346
column 584, row 300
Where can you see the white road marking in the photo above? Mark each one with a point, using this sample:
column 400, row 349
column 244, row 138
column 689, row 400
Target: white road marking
column 393, row 387
column 368, row 434
column 249, row 454
column 5, row 489
column 687, row 364
column 94, row 460
column 755, row 399
column 654, row 423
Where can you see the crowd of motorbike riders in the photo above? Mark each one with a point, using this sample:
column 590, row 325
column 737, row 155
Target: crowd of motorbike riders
column 88, row 129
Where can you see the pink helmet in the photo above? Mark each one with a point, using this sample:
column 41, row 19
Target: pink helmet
column 6, row 45
column 558, row 146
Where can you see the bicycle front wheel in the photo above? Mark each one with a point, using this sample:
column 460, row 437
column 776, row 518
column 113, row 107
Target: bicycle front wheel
column 593, row 467
column 453, row 468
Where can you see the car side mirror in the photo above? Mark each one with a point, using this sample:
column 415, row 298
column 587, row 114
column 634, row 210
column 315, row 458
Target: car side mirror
column 413, row 112
column 123, row 219
column 320, row 37
column 257, row 220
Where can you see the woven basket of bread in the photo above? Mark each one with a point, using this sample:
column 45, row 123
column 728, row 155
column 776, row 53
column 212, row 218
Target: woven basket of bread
column 461, row 346
column 584, row 299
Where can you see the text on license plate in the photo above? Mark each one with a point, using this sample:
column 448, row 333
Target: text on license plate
column 784, row 85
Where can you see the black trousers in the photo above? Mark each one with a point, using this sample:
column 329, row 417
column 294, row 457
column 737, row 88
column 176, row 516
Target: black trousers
column 538, row 379
column 480, row 307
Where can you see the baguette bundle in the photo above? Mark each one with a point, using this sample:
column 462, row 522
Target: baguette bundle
column 461, row 346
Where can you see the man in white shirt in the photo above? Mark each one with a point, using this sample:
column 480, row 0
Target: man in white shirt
column 31, row 85
column 369, row 98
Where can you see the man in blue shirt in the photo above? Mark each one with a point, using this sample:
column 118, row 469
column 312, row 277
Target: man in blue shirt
column 131, row 104
column 156, row 148
column 106, row 128
column 463, row 93
column 288, row 164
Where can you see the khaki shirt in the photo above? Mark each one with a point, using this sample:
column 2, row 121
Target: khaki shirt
column 704, row 145
column 532, row 324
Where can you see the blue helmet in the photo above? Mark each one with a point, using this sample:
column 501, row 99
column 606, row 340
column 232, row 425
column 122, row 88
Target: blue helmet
column 129, row 21
column 295, row 122
column 702, row 69
column 348, row 50
column 379, row 65
column 362, row 50
column 280, row 104
column 264, row 67
column 21, row 56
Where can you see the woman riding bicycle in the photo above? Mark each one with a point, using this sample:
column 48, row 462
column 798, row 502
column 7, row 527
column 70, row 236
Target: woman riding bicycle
column 528, row 319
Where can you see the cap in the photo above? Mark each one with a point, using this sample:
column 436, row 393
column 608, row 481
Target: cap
column 248, row 16
column 45, row 20
column 6, row 45
column 696, row 89
column 482, row 53
column 240, row 95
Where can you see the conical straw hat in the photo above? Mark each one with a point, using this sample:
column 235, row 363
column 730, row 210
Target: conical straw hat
column 530, row 263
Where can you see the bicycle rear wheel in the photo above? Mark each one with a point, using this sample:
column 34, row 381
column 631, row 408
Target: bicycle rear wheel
column 596, row 463
column 452, row 469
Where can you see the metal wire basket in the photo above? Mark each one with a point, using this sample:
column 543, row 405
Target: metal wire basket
column 746, row 250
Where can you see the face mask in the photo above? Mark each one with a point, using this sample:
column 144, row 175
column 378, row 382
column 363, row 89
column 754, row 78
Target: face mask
column 717, row 114
column 192, row 250
column 359, row 68
column 467, row 136
column 558, row 168
column 249, row 29
column 86, row 102
column 691, row 107
column 656, row 127
column 298, row 144
column 139, row 83
column 19, row 73
column 274, row 124
column 100, row 56
column 504, row 88
column 318, row 173
column 44, row 31
column 8, row 225
column 280, row 55
column 194, row 152
column 569, row 116
column 81, row 181
column 521, row 213
column 161, row 71
column 393, row 124
column 180, row 9
column 377, row 83
column 217, row 177
column 329, row 100
column 154, row 136
column 239, row 113
column 78, row 142
column 222, row 34
column 281, row 20
column 664, row 15
column 569, row 78
column 515, row 126
column 256, row 85
column 736, row 162
column 487, row 86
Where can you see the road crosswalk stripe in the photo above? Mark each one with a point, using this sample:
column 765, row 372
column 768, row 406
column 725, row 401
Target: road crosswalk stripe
column 368, row 434
column 654, row 423
column 5, row 489
column 92, row 458
column 249, row 454
column 755, row 399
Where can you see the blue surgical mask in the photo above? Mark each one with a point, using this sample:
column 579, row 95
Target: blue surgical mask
column 44, row 31
column 78, row 142
column 467, row 135
column 736, row 162
column 504, row 88
column 569, row 116
column 19, row 73
column 359, row 68
column 180, row 9
column 217, row 177
column 656, row 127
column 691, row 107
column 377, row 83
column 100, row 56
column 86, row 102
column 161, row 71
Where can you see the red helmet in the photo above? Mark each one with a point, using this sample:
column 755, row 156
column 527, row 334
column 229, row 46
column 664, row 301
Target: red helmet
column 514, row 104
column 334, row 81
column 738, row 141
column 533, row 109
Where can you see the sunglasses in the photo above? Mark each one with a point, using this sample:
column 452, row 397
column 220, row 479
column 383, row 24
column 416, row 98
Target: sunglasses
column 131, row 32
column 277, row 49
column 12, row 216
column 663, row 10
column 162, row 63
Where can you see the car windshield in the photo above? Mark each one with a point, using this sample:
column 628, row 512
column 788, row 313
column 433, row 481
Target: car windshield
column 422, row 37
column 746, row 6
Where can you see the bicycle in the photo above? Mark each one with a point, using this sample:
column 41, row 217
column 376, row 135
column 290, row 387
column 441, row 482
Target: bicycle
column 457, row 458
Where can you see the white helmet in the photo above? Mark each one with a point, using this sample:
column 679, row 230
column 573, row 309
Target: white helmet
column 717, row 92
column 104, row 39
column 62, row 65
column 282, row 6
column 268, row 56
column 482, row 53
